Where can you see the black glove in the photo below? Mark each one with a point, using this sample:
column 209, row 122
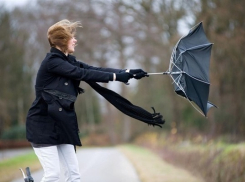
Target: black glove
column 135, row 71
column 123, row 77
column 138, row 73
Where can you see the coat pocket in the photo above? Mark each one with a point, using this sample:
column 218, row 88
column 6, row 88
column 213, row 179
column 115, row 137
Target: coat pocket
column 59, row 107
column 64, row 100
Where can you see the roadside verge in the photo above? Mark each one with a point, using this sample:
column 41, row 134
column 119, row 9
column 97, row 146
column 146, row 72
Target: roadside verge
column 151, row 168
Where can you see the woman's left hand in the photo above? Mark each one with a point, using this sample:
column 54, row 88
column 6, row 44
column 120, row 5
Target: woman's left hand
column 138, row 73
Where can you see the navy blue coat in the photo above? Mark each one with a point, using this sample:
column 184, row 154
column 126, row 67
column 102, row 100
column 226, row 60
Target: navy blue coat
column 52, row 118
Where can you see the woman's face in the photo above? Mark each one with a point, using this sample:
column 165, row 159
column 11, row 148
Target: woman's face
column 71, row 45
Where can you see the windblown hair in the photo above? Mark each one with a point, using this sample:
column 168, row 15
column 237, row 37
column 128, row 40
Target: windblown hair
column 61, row 32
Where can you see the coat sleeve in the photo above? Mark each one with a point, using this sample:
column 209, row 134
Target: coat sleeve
column 64, row 68
column 111, row 70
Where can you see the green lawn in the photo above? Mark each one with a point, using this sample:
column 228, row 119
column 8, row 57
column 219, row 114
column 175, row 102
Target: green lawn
column 9, row 168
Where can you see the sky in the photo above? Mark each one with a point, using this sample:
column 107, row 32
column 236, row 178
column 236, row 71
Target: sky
column 12, row 3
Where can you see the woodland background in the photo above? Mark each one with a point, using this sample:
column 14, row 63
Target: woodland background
column 128, row 34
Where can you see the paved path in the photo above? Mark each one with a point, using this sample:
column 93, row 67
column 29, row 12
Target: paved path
column 100, row 165
column 9, row 153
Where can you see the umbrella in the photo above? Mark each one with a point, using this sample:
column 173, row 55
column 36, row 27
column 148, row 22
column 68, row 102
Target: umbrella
column 189, row 68
column 27, row 177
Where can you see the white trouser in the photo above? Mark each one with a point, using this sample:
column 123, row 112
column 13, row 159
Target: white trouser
column 50, row 159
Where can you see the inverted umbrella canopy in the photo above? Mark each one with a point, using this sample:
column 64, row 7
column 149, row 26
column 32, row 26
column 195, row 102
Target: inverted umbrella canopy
column 189, row 68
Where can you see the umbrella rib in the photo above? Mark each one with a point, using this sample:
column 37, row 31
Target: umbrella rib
column 187, row 98
column 197, row 78
column 174, row 63
column 198, row 46
column 178, row 79
column 183, row 71
column 182, row 89
column 174, row 55
column 174, row 52
column 192, row 48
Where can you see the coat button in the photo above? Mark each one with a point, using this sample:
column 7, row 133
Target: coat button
column 60, row 109
column 66, row 83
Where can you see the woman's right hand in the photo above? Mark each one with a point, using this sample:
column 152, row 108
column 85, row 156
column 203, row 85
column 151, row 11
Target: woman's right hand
column 123, row 77
column 138, row 73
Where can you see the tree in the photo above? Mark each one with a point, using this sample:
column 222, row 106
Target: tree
column 224, row 25
column 14, row 74
column 155, row 33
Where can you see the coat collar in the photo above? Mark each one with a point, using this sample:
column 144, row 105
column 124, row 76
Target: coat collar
column 57, row 51
column 69, row 58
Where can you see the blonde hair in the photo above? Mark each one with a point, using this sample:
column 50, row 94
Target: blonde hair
column 61, row 32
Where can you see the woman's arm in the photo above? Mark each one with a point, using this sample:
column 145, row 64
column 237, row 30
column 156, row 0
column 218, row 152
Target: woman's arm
column 111, row 70
column 137, row 73
column 64, row 68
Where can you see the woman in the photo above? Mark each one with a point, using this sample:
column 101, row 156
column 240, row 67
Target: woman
column 51, row 122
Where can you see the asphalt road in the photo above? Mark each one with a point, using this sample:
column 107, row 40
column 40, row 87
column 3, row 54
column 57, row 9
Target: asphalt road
column 9, row 153
column 100, row 165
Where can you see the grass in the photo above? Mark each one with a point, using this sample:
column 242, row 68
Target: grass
column 151, row 168
column 9, row 168
column 212, row 159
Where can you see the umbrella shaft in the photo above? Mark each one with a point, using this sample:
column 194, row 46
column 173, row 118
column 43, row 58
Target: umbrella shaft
column 166, row 73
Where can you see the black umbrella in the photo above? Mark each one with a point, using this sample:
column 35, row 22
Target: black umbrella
column 189, row 68
column 27, row 177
